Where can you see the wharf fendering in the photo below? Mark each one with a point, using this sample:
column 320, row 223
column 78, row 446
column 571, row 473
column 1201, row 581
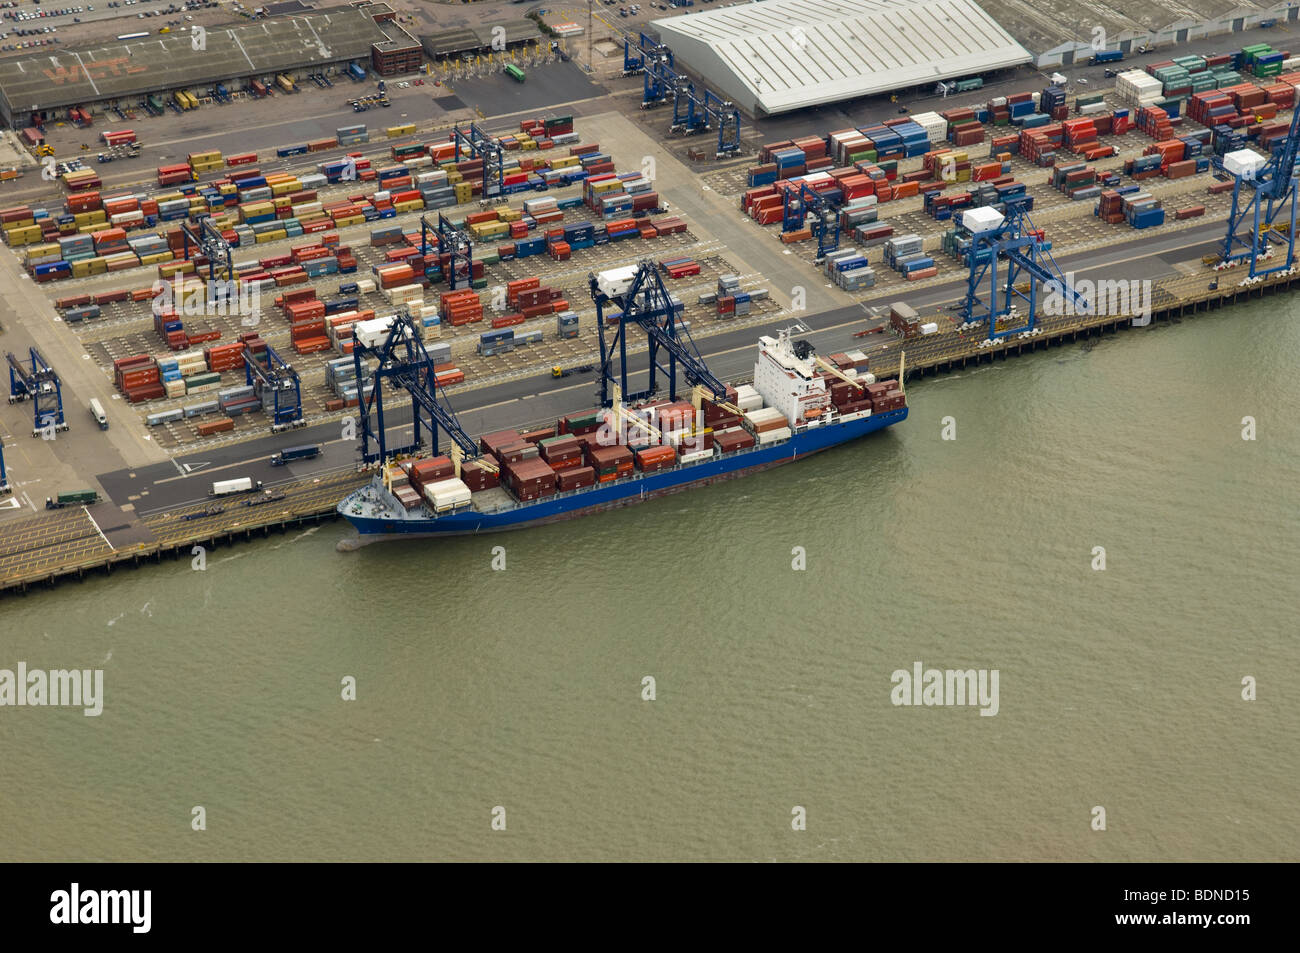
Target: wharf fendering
column 95, row 540
column 1172, row 297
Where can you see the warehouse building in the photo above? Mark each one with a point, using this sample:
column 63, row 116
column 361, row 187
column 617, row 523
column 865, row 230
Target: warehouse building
column 485, row 38
column 46, row 85
column 781, row 55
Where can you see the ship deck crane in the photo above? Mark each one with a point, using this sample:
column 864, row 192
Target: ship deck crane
column 1022, row 249
column 834, row 371
column 40, row 384
column 278, row 381
column 639, row 292
column 403, row 363
column 1263, row 192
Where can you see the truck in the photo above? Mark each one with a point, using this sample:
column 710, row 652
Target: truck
column 289, row 454
column 239, row 485
column 558, row 371
column 284, row 82
column 1107, row 56
column 97, row 411
column 71, row 498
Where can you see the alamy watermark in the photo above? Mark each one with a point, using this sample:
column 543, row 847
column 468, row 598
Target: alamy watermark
column 55, row 688
column 78, row 906
column 933, row 687
column 217, row 297
column 1118, row 297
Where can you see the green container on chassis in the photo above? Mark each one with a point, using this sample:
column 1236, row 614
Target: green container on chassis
column 868, row 156
column 198, row 380
column 1088, row 100
column 77, row 496
column 479, row 283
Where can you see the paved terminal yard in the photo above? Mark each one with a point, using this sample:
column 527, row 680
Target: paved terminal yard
column 151, row 477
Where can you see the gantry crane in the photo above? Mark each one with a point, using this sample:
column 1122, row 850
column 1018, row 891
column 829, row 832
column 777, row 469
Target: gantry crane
column 403, row 362
column 203, row 237
column 798, row 204
column 1015, row 243
column 41, row 385
column 694, row 111
column 276, row 382
column 455, row 242
column 639, row 293
column 480, row 145
column 1262, row 192
column 5, row 488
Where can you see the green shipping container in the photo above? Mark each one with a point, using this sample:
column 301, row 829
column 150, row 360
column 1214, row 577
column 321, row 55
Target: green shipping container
column 78, row 496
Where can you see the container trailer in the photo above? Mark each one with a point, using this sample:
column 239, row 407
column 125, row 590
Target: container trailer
column 71, row 498
column 239, row 485
column 289, row 454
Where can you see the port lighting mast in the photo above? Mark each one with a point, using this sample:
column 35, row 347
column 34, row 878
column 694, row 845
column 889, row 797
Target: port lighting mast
column 277, row 382
column 1263, row 204
column 643, row 302
column 37, row 381
column 403, row 363
column 1015, row 244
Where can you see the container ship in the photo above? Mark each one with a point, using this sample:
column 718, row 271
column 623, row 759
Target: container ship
column 798, row 404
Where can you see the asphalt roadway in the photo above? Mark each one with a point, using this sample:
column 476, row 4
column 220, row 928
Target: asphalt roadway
column 539, row 400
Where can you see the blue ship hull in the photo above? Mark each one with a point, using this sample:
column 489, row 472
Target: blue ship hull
column 624, row 492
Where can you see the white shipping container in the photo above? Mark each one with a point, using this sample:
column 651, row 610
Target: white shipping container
column 930, row 327
column 773, row 436
column 616, row 281
column 447, row 494
column 240, row 485
column 696, row 456
column 365, row 286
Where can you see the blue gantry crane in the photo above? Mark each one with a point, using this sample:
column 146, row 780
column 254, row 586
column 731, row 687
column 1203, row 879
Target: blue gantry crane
column 1263, row 204
column 455, row 241
column 694, row 110
column 1020, row 248
column 278, row 386
column 403, row 363
column 639, row 294
column 36, row 380
column 4, row 474
column 798, row 204
column 480, row 145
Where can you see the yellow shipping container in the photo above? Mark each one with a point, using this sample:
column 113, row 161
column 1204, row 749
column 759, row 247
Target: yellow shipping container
column 156, row 258
column 564, row 162
column 25, row 235
column 392, row 132
column 529, row 146
column 284, row 188
column 209, row 156
column 274, row 236
column 411, row 206
column 351, row 220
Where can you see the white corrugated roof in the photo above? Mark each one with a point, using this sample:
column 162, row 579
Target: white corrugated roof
column 794, row 53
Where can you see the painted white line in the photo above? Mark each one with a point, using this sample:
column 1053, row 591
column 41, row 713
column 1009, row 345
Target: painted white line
column 98, row 530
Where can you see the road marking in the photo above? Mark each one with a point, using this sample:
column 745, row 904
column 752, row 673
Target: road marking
column 98, row 530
